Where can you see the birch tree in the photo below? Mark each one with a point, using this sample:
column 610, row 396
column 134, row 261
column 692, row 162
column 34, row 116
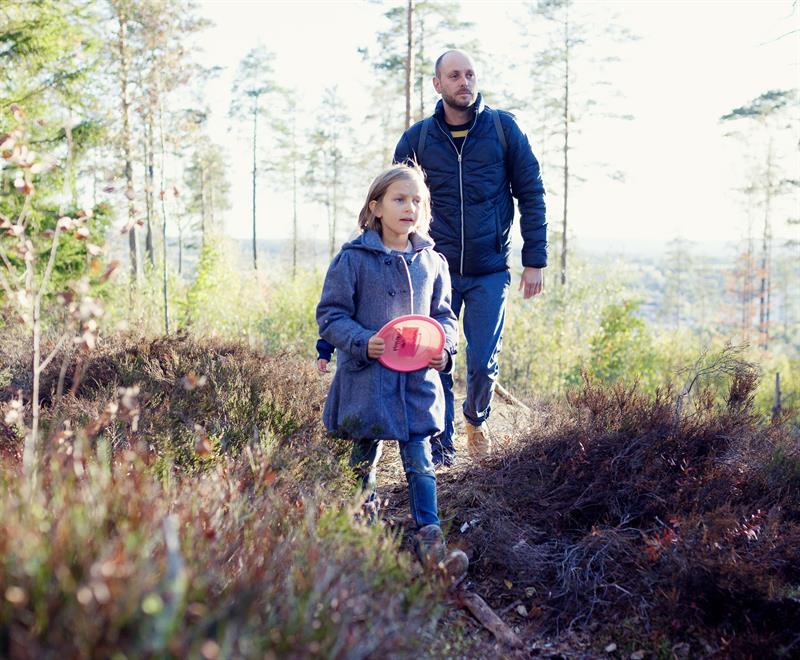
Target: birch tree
column 122, row 14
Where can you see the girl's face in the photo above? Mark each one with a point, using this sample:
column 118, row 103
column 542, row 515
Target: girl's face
column 398, row 210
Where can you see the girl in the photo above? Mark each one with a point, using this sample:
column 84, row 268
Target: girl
column 389, row 270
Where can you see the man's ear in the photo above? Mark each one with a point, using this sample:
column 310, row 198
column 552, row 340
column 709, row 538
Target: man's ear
column 437, row 84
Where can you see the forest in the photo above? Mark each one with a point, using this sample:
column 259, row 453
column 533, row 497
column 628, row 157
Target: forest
column 167, row 488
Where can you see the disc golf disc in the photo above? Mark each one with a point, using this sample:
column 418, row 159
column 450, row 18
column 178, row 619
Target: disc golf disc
column 411, row 341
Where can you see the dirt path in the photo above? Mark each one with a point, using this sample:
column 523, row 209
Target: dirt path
column 508, row 423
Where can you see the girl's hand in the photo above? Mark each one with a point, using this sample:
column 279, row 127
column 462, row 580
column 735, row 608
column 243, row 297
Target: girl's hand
column 322, row 366
column 440, row 361
column 375, row 347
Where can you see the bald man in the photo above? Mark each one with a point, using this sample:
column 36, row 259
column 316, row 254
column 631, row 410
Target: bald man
column 477, row 160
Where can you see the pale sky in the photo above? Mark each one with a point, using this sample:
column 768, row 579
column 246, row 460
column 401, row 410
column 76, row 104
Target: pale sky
column 692, row 63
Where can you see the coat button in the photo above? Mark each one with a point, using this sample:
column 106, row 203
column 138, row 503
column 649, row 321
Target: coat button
column 388, row 261
column 392, row 292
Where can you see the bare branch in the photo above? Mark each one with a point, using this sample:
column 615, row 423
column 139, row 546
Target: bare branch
column 785, row 34
column 25, row 212
column 50, row 264
column 43, row 364
column 5, row 285
column 6, row 262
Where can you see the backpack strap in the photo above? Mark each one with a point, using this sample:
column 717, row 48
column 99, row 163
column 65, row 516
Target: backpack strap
column 423, row 133
column 500, row 132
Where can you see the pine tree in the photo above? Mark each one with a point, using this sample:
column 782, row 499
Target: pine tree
column 254, row 80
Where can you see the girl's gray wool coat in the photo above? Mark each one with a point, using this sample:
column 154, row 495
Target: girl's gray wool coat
column 366, row 286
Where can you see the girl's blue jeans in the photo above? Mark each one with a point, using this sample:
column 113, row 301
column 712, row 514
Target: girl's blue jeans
column 483, row 298
column 420, row 475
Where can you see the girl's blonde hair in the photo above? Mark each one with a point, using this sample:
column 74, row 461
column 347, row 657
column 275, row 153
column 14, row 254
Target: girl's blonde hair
column 411, row 171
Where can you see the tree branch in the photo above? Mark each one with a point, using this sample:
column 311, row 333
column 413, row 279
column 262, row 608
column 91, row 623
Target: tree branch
column 49, row 270
column 43, row 364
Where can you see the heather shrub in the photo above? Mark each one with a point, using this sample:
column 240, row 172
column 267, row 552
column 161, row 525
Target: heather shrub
column 657, row 524
column 196, row 400
column 233, row 562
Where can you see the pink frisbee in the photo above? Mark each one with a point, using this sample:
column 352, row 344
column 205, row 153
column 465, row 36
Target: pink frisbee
column 411, row 341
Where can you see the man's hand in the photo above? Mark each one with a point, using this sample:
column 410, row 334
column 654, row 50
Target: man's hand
column 375, row 347
column 439, row 362
column 531, row 282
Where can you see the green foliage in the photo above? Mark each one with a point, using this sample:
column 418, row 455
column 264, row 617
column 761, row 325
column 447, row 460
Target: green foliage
column 141, row 309
column 290, row 323
column 222, row 300
column 764, row 105
column 47, row 50
column 73, row 260
column 788, row 366
column 622, row 348
column 546, row 339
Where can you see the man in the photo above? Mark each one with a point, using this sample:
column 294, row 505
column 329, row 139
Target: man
column 475, row 160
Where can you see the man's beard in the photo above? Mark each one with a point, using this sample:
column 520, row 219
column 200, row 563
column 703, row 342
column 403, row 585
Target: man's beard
column 457, row 103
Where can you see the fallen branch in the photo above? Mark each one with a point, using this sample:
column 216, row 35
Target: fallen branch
column 488, row 619
column 504, row 394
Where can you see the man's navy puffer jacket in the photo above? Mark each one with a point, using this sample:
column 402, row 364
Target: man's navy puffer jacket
column 471, row 197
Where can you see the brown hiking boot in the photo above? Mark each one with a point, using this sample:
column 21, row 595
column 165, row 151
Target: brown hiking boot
column 429, row 545
column 431, row 550
column 478, row 442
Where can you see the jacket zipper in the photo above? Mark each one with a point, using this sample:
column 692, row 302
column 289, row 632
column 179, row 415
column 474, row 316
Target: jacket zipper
column 460, row 182
column 410, row 284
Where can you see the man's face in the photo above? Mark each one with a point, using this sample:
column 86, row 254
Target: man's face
column 457, row 82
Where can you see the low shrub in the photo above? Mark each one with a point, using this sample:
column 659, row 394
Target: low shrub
column 233, row 562
column 647, row 526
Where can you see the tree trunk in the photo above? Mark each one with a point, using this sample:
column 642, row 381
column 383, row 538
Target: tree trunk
column 211, row 205
column 29, row 461
column 122, row 46
column 763, row 295
column 409, row 59
column 566, row 147
column 162, row 194
column 331, row 242
column 150, row 151
column 294, row 208
column 255, row 170
column 422, row 73
column 335, row 209
column 202, row 203
column 70, row 179
column 747, row 290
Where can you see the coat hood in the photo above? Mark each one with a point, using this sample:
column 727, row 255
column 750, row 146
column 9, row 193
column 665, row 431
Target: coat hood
column 371, row 240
